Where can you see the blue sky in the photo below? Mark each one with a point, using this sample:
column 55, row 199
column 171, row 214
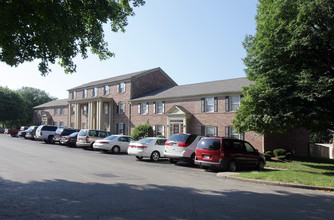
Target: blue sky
column 192, row 41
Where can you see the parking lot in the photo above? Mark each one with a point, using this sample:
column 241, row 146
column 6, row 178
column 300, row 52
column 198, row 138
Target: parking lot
column 39, row 181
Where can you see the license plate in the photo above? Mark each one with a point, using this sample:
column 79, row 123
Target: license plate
column 206, row 157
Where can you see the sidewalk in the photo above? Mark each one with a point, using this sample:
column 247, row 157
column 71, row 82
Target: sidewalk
column 231, row 175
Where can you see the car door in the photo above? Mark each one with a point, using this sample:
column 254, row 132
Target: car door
column 251, row 155
column 239, row 152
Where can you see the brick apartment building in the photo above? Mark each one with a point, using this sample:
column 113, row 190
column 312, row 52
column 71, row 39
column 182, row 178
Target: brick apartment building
column 118, row 104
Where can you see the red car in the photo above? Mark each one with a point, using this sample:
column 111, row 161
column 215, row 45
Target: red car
column 227, row 154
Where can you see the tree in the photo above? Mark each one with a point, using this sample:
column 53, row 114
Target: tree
column 290, row 59
column 33, row 97
column 12, row 107
column 59, row 30
column 141, row 131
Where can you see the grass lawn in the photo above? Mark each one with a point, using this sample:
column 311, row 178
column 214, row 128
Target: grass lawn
column 306, row 171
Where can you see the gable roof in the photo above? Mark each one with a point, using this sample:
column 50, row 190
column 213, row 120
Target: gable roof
column 54, row 103
column 198, row 89
column 119, row 78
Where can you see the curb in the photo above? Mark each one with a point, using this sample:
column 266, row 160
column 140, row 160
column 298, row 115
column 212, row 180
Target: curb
column 230, row 176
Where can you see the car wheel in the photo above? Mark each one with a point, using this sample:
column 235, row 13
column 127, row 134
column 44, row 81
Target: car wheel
column 155, row 156
column 116, row 149
column 260, row 166
column 139, row 158
column 50, row 140
column 170, row 160
column 232, row 166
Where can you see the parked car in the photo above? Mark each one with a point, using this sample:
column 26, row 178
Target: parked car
column 31, row 132
column 114, row 143
column 63, row 131
column 181, row 147
column 151, row 147
column 86, row 137
column 227, row 154
column 2, row 130
column 22, row 132
column 46, row 133
column 13, row 132
column 69, row 140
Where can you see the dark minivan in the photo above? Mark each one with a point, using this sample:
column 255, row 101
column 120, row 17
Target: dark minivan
column 227, row 154
column 63, row 131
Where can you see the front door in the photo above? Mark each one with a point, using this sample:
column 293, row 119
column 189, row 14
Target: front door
column 176, row 128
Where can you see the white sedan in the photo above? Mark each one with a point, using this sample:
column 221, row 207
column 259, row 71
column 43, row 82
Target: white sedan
column 152, row 147
column 113, row 143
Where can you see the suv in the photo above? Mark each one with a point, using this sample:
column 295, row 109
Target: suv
column 86, row 137
column 227, row 154
column 181, row 147
column 61, row 131
column 46, row 133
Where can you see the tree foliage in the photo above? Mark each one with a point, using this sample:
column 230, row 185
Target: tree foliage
column 141, row 131
column 12, row 107
column 290, row 59
column 59, row 30
column 33, row 97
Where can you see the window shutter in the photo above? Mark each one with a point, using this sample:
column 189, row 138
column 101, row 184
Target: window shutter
column 227, row 131
column 202, row 130
column 124, row 131
column 216, row 131
column 154, row 108
column 139, row 111
column 163, row 107
column 118, row 108
column 227, row 103
column 202, row 104
column 116, row 128
column 216, row 104
column 118, row 88
column 146, row 107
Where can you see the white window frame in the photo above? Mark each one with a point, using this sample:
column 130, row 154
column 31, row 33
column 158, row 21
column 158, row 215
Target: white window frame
column 74, row 94
column 230, row 132
column 121, row 108
column 84, row 93
column 55, row 123
column 56, row 111
column 211, row 131
column 106, row 108
column 210, row 104
column 144, row 108
column 121, row 128
column 160, row 108
column 61, row 124
column 72, row 124
column 61, row 110
column 121, row 87
column 94, row 92
column 85, row 110
column 235, row 103
column 73, row 110
column 159, row 130
column 106, row 90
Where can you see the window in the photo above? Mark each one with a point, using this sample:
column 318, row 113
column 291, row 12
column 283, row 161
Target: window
column 230, row 132
column 249, row 147
column 232, row 103
column 61, row 110
column 56, row 111
column 73, row 110
column 61, row 124
column 95, row 92
column 158, row 107
column 74, row 94
column 106, row 90
column 143, row 108
column 84, row 93
column 72, row 125
column 121, row 87
column 85, row 111
column 83, row 126
column 121, row 128
column 106, row 125
column 121, row 108
column 106, row 109
column 209, row 104
column 211, row 131
column 159, row 130
column 55, row 123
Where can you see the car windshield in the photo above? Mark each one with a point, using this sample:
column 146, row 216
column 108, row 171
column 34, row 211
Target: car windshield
column 59, row 130
column 110, row 137
column 73, row 134
column 82, row 133
column 209, row 144
column 145, row 140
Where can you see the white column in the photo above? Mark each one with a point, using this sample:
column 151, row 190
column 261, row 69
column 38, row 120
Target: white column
column 69, row 115
column 90, row 115
column 77, row 116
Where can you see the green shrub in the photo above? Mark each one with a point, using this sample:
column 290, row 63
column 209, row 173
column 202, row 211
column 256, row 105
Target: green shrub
column 141, row 131
column 268, row 155
column 280, row 154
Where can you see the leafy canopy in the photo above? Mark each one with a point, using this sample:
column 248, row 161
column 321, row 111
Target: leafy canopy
column 59, row 30
column 290, row 59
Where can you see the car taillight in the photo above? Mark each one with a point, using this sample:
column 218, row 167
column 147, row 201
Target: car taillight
column 141, row 147
column 68, row 138
column 32, row 133
column 41, row 133
column 167, row 143
column 131, row 146
column 182, row 144
column 103, row 142
column 87, row 138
